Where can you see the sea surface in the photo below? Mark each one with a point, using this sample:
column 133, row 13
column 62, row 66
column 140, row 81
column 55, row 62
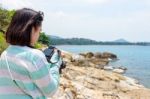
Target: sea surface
column 135, row 58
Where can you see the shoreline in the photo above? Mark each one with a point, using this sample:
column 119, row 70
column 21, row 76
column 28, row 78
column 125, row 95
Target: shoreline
column 136, row 61
column 86, row 75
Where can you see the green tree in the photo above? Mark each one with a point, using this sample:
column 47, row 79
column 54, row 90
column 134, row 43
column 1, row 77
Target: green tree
column 44, row 39
column 5, row 18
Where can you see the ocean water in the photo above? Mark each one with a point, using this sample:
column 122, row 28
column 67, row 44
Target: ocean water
column 135, row 58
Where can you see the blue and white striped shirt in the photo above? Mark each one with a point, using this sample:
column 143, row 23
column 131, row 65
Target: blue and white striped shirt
column 34, row 77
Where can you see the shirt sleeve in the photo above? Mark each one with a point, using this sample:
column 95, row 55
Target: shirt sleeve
column 46, row 75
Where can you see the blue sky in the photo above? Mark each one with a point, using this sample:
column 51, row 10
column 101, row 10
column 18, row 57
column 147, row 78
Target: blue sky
column 101, row 20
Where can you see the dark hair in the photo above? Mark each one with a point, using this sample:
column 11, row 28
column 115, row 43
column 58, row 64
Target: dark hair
column 20, row 28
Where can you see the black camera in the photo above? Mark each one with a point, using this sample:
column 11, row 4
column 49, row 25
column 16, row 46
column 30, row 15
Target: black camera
column 49, row 53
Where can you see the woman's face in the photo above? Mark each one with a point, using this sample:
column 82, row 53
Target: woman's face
column 35, row 34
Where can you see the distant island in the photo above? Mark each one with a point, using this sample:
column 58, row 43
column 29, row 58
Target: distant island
column 56, row 40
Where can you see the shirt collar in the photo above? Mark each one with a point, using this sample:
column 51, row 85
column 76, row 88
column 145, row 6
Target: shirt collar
column 19, row 46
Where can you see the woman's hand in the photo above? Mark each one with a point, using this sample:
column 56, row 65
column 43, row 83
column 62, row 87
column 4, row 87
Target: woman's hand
column 61, row 53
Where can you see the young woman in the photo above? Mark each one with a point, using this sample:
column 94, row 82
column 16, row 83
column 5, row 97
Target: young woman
column 24, row 70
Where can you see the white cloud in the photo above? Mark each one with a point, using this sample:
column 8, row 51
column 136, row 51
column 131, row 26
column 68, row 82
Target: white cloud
column 92, row 1
column 70, row 18
column 96, row 1
column 59, row 14
column 16, row 4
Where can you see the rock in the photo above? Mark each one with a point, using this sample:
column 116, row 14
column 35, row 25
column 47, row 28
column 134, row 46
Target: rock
column 99, row 66
column 81, row 63
column 139, row 93
column 84, row 78
column 76, row 57
column 67, row 55
column 82, row 54
column 89, row 55
column 110, row 59
column 99, row 61
column 120, row 71
column 108, row 68
column 131, row 81
column 109, row 55
column 123, row 68
column 98, row 55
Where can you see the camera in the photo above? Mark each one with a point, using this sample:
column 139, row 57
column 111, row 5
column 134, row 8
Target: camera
column 49, row 52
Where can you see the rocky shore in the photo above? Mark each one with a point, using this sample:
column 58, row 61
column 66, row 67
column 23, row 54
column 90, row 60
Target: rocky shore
column 88, row 76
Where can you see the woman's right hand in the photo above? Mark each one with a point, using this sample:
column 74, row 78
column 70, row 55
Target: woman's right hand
column 61, row 53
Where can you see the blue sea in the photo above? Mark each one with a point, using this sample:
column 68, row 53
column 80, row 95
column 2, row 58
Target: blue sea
column 135, row 58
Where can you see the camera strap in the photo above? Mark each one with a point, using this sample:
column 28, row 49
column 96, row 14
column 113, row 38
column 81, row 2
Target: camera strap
column 8, row 67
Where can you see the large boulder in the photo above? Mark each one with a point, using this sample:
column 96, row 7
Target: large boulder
column 98, row 55
column 109, row 55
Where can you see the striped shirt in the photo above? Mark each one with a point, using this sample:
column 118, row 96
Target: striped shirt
column 29, row 75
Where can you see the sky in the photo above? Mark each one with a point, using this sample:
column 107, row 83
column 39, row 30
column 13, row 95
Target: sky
column 101, row 20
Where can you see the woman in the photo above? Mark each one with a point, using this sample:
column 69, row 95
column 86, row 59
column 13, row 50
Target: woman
column 24, row 70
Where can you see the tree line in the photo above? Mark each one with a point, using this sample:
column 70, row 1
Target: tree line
column 83, row 41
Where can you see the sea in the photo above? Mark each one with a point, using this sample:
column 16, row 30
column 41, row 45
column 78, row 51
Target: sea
column 135, row 58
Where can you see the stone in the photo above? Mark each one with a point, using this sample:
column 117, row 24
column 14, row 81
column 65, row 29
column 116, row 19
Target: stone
column 76, row 57
column 89, row 55
column 108, row 68
column 120, row 71
column 109, row 55
column 83, row 78
column 123, row 68
column 99, row 66
column 98, row 55
column 82, row 54
column 99, row 61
